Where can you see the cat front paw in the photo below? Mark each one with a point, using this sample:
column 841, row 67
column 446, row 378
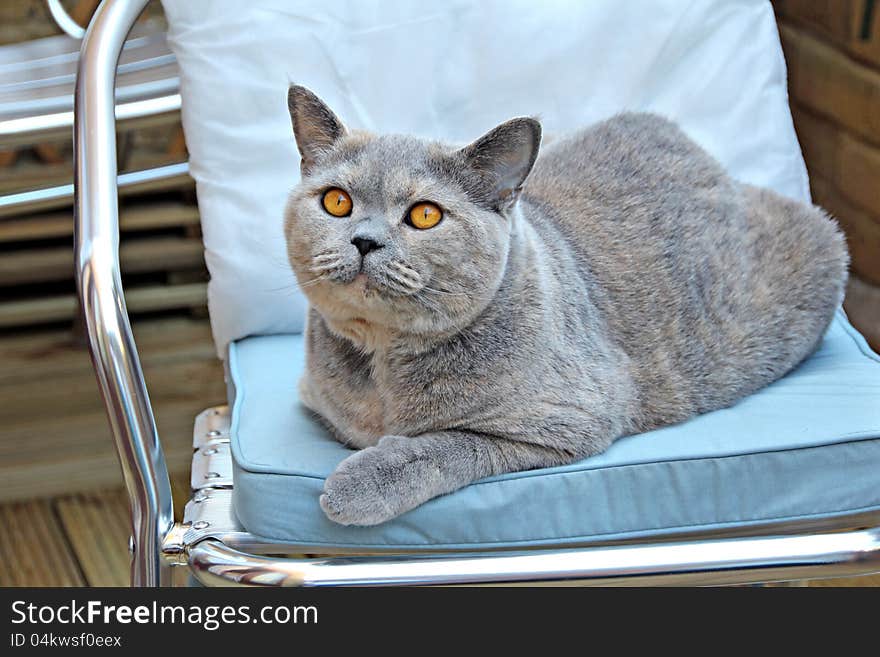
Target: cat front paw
column 366, row 488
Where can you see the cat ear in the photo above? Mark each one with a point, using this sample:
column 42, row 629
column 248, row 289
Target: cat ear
column 315, row 126
column 503, row 158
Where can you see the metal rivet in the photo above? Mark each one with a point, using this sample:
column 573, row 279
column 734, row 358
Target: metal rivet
column 200, row 497
column 213, row 433
column 212, row 475
column 201, row 524
column 210, row 450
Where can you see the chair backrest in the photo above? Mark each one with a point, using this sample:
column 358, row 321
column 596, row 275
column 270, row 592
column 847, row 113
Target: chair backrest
column 450, row 70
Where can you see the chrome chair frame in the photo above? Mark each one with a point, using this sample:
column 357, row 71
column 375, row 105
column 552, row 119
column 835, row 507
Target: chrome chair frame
column 219, row 552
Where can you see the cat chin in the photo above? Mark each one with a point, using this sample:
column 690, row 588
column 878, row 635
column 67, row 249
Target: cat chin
column 351, row 313
column 374, row 329
column 371, row 318
column 365, row 335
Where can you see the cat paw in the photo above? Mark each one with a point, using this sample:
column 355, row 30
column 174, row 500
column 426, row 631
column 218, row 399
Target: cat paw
column 364, row 489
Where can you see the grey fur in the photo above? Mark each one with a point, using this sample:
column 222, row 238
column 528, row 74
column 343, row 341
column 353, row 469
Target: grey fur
column 630, row 284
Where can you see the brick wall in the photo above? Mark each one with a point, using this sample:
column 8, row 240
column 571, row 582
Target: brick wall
column 832, row 48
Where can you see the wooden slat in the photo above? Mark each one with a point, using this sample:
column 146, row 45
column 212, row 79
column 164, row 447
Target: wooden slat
column 180, row 380
column 93, row 464
column 867, row 580
column 48, row 353
column 62, row 129
column 136, row 256
column 820, row 142
column 861, row 228
column 33, row 548
column 97, row 526
column 842, row 173
column 862, row 305
column 830, row 83
column 851, row 25
column 49, row 153
column 62, row 308
column 55, row 436
column 859, row 175
column 183, row 378
column 852, row 166
column 60, row 224
column 61, row 188
column 37, row 311
column 34, row 175
column 82, row 11
column 8, row 156
column 181, row 492
column 831, row 18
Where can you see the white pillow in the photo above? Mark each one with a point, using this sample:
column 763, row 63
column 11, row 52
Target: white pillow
column 450, row 69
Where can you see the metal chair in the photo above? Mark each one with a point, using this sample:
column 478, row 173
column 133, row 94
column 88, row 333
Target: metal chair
column 211, row 542
column 36, row 101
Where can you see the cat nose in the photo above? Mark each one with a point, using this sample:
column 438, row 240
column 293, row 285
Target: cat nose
column 365, row 244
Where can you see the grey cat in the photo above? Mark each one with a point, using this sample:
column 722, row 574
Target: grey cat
column 483, row 310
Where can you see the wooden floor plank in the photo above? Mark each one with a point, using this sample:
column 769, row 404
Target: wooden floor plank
column 180, row 489
column 97, row 526
column 868, row 580
column 33, row 547
column 56, row 439
column 42, row 354
column 30, row 403
column 93, row 463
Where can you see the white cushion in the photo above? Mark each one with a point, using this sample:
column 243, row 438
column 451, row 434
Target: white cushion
column 450, row 70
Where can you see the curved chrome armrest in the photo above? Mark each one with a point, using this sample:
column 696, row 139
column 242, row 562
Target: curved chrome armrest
column 96, row 237
column 692, row 563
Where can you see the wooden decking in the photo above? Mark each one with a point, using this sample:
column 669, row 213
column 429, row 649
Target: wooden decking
column 54, row 436
column 74, row 540
column 63, row 513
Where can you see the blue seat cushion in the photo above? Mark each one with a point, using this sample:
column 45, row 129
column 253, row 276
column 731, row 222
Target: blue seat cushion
column 806, row 447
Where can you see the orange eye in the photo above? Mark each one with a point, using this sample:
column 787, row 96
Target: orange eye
column 337, row 202
column 425, row 215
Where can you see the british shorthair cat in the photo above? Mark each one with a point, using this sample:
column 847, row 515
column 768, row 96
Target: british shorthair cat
column 482, row 310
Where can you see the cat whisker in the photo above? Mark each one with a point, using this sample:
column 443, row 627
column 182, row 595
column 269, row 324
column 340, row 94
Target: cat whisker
column 313, row 281
column 286, row 291
column 399, row 288
column 409, row 285
column 282, row 288
column 404, row 269
column 327, row 267
column 406, row 272
column 428, row 288
column 330, row 255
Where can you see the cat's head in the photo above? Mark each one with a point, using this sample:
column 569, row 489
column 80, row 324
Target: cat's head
column 390, row 234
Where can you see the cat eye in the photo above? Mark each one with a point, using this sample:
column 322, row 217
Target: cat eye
column 337, row 202
column 424, row 216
